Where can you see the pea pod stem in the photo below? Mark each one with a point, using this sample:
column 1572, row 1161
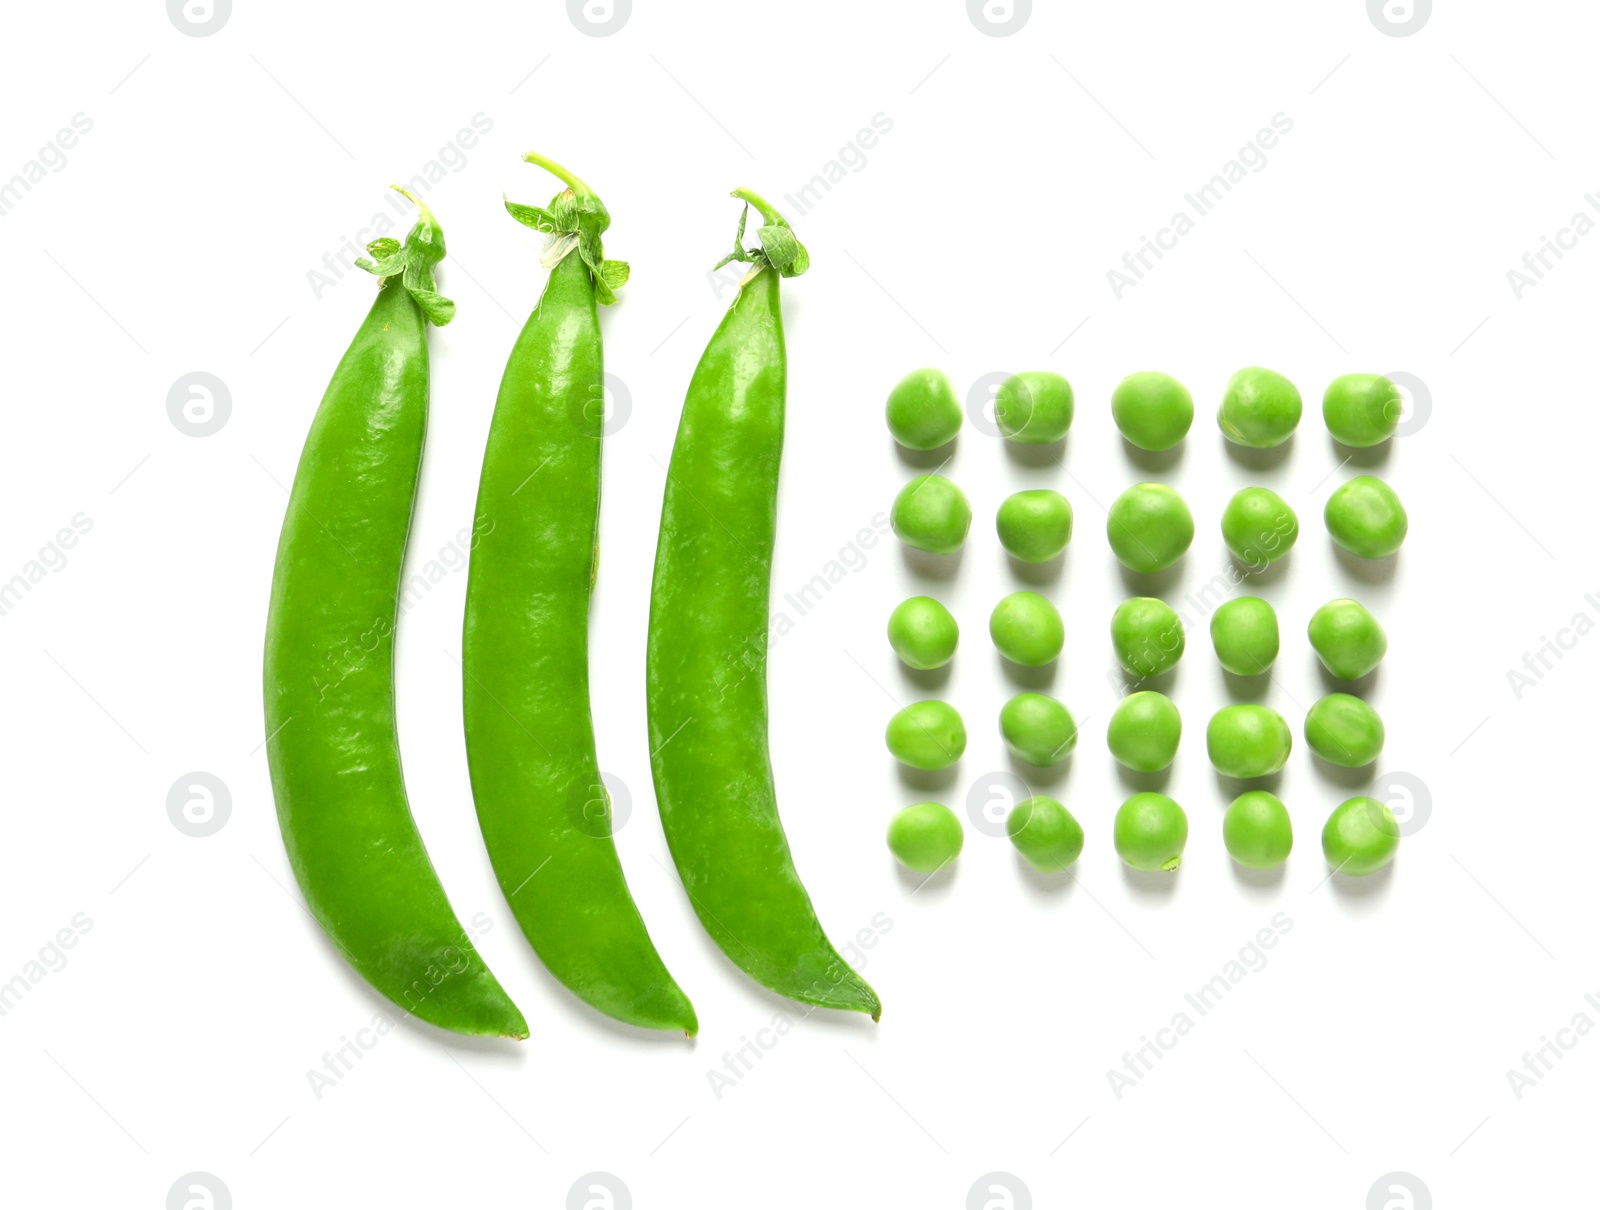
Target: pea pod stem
column 541, row 799
column 706, row 668
column 328, row 676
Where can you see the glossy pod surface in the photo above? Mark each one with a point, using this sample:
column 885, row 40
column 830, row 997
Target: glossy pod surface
column 333, row 745
column 706, row 661
column 542, row 803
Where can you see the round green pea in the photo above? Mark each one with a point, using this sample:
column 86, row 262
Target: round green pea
column 1360, row 836
column 1256, row 830
column 1045, row 833
column 1259, row 526
column 1035, row 526
column 923, row 411
column 1260, row 408
column 1038, row 729
column 1366, row 518
column 931, row 513
column 1027, row 629
column 925, row 836
column 1344, row 731
column 1034, row 407
column 1147, row 636
column 1144, row 731
column 927, row 735
column 1150, row 832
column 1245, row 633
column 922, row 633
column 1362, row 410
column 1247, row 741
column 1152, row 410
column 1149, row 527
column 1347, row 639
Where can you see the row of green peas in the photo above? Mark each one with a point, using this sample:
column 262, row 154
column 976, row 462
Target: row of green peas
column 1149, row 527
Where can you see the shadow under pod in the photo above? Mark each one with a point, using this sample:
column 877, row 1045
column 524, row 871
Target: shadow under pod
column 1359, row 888
column 1052, row 453
column 925, row 460
column 1150, row 884
column 1259, row 880
column 1259, row 460
column 1153, row 460
column 1351, row 779
column 934, row 567
column 1368, row 571
column 1246, row 688
column 1364, row 457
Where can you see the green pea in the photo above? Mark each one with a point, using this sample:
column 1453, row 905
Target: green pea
column 1259, row 526
column 1360, row 836
column 1347, row 639
column 1144, row 731
column 1245, row 633
column 1150, row 832
column 931, row 513
column 1366, row 518
column 1027, row 629
column 1152, row 410
column 922, row 633
column 1147, row 636
column 1256, row 830
column 1038, row 729
column 1034, row 407
column 1035, row 526
column 1247, row 741
column 923, row 411
column 1344, row 731
column 1149, row 527
column 927, row 735
column 1045, row 833
column 925, row 836
column 1260, row 408
column 1362, row 410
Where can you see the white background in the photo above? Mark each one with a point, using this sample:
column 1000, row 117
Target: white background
column 976, row 235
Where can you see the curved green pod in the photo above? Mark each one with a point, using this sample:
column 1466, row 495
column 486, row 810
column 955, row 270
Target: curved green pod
column 329, row 672
column 706, row 662
column 542, row 806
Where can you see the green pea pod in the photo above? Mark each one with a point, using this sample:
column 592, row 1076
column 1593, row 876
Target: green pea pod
column 329, row 680
column 706, row 675
column 542, row 807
